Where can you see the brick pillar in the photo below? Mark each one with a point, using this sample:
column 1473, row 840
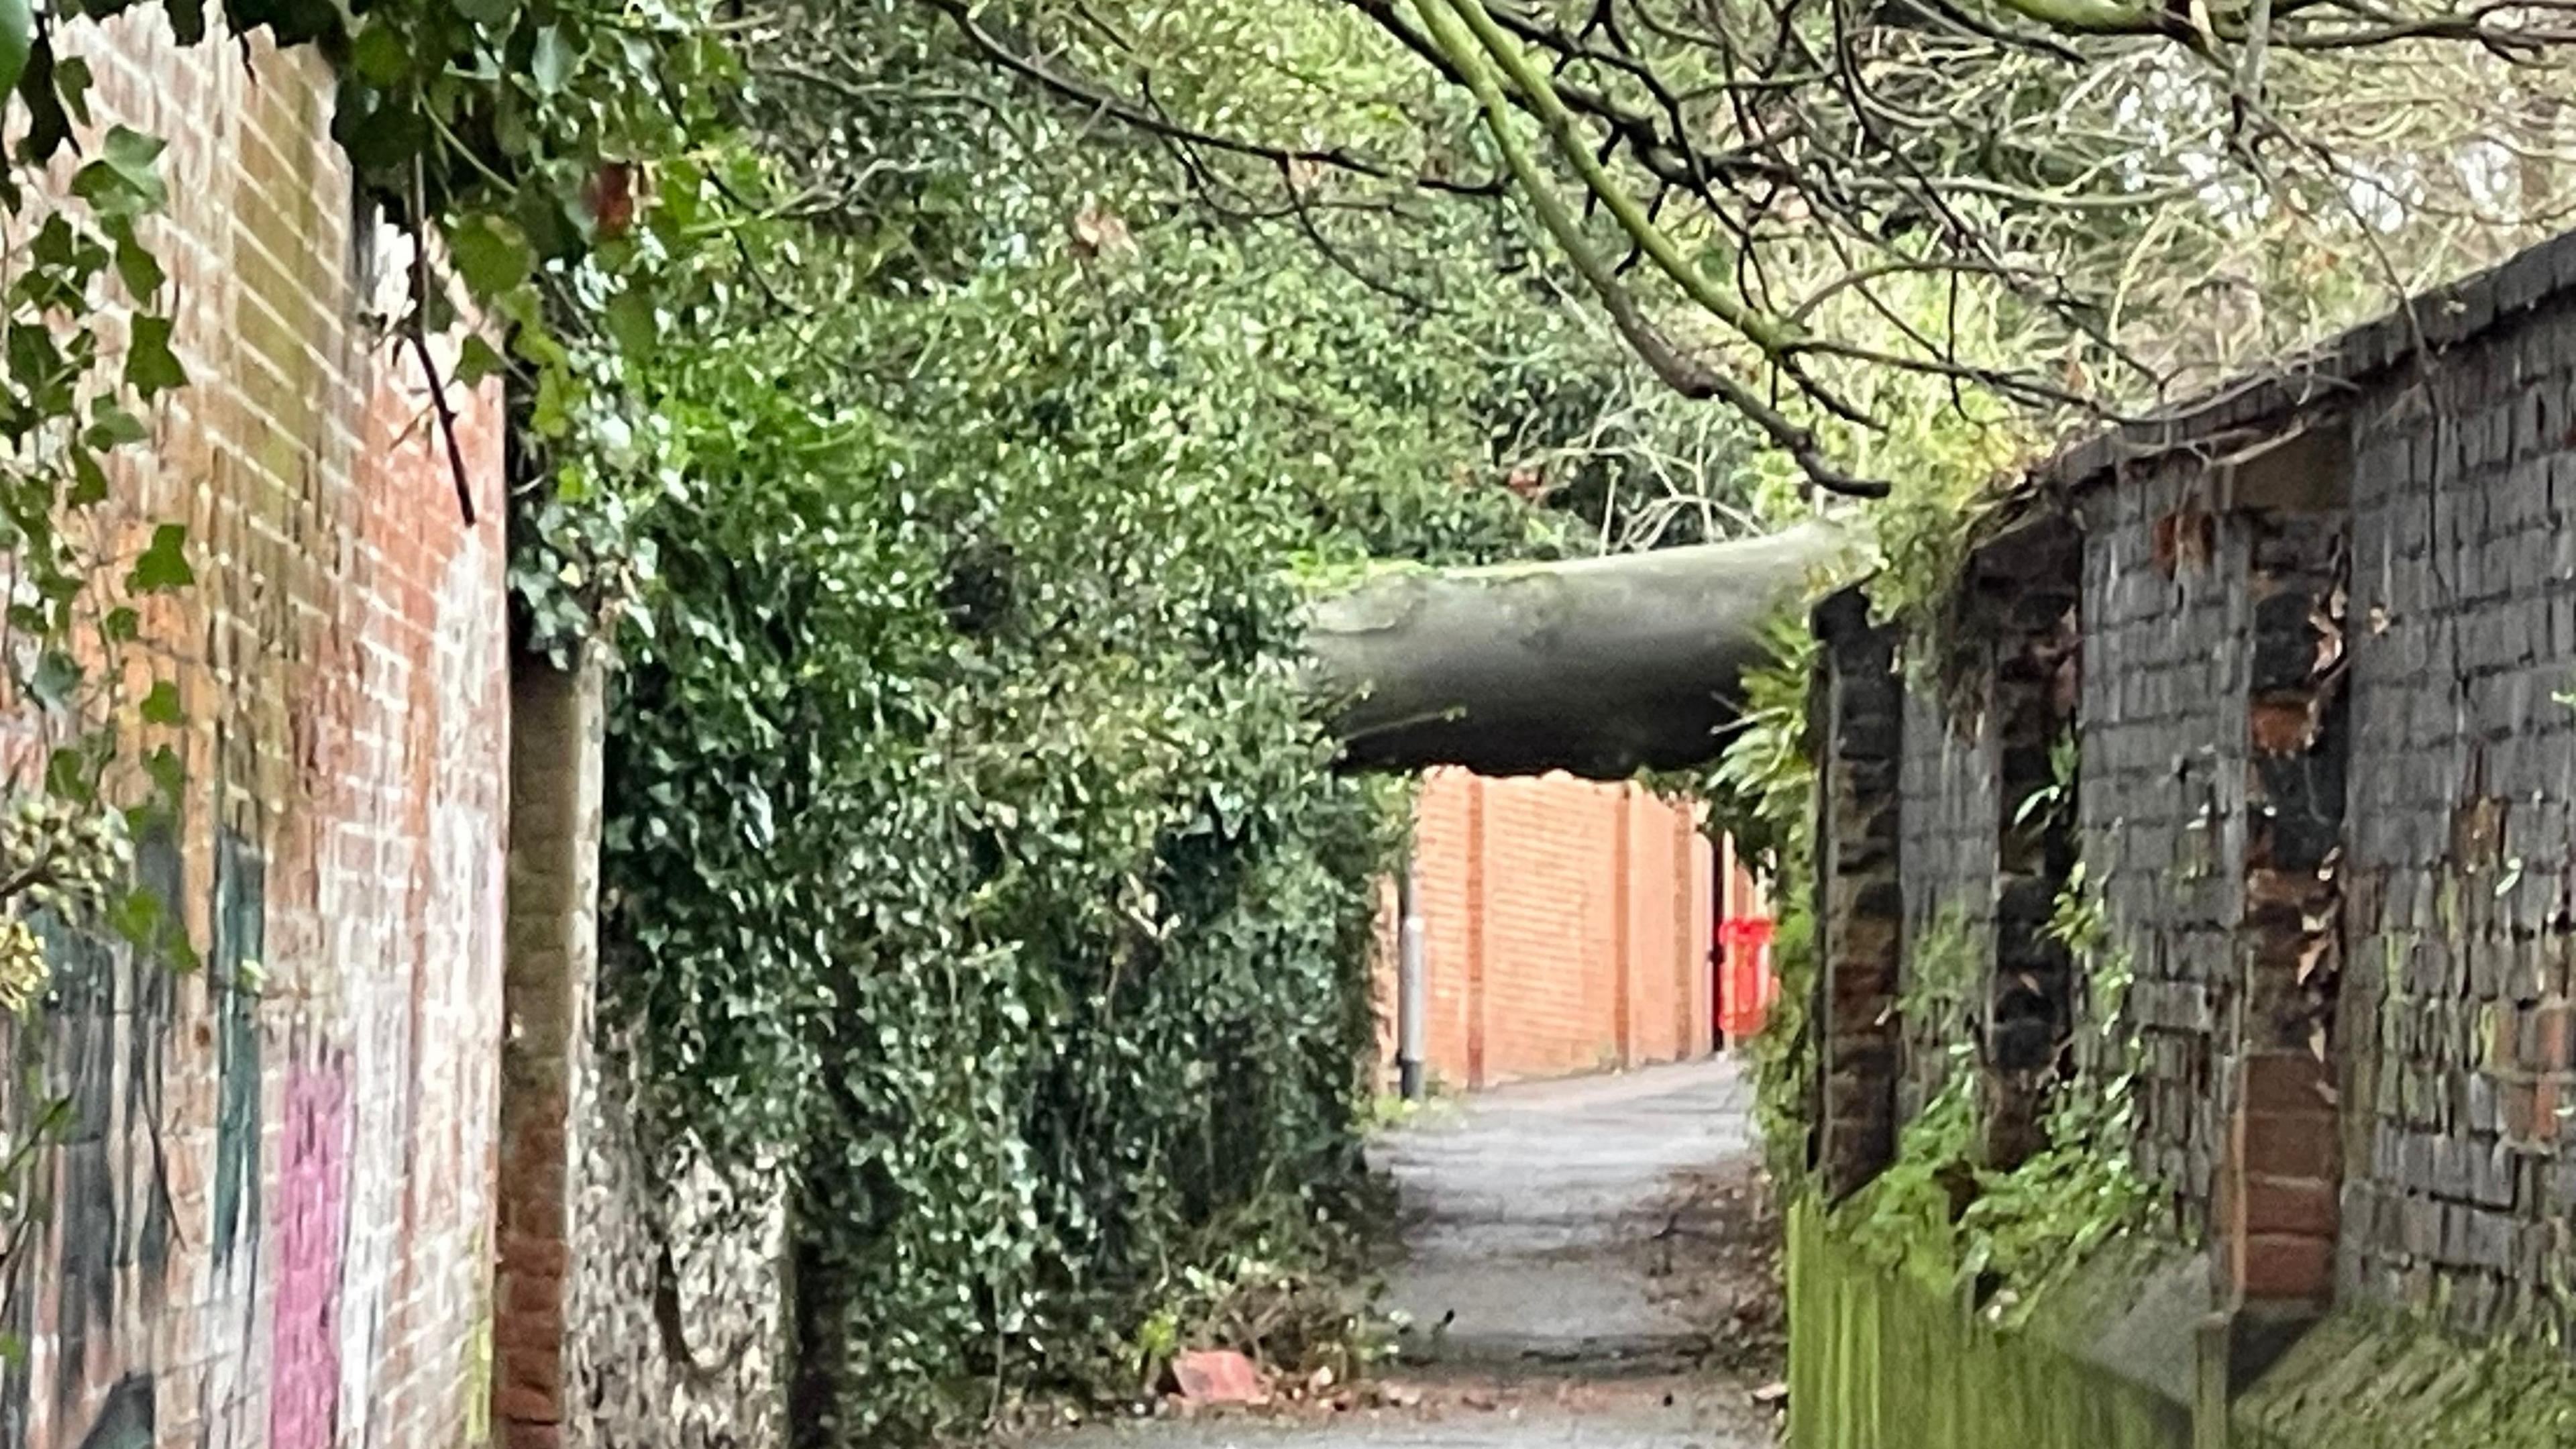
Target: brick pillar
column 2030, row 582
column 1858, row 719
column 2278, row 1199
column 556, row 722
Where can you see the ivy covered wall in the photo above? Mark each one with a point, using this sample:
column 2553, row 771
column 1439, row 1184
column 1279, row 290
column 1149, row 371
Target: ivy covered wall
column 2316, row 770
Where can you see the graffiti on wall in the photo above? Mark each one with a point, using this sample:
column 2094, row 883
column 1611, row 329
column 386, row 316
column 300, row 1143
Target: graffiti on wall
column 312, row 1213
column 125, row 1420
column 103, row 1259
column 240, row 929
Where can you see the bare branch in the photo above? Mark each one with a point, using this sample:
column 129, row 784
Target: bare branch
column 1128, row 113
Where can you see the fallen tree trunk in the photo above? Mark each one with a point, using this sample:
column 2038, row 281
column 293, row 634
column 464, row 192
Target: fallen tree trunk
column 1601, row 666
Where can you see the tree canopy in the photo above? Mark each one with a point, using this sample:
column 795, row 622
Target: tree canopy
column 1828, row 214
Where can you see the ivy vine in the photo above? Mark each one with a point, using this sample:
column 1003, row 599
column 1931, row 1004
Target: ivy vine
column 2006, row 1238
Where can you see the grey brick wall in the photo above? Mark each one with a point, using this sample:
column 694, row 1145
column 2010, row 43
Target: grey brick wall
column 2364, row 564
column 2162, row 734
column 2459, row 839
column 1858, row 716
column 1946, row 782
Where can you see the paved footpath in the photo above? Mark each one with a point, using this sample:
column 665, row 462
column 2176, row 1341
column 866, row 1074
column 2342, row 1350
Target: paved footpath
column 1537, row 1275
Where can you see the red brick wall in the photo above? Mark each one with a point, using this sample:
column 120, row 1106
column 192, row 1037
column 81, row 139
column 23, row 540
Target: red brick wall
column 275, row 1200
column 1567, row 926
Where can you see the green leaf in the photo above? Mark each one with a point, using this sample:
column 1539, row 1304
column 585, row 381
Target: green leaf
column 381, row 134
column 491, row 254
column 17, row 40
column 35, row 362
column 548, row 415
column 54, row 244
column 168, row 775
column 630, row 322
column 137, row 918
column 136, row 266
column 111, row 426
column 164, row 565
column 53, row 90
column 161, row 706
column 122, row 181
column 57, row 675
column 548, row 224
column 89, row 480
column 531, row 338
column 490, row 14
column 151, row 368
column 72, row 79
column 67, row 775
column 379, row 55
column 477, row 360
column 122, row 624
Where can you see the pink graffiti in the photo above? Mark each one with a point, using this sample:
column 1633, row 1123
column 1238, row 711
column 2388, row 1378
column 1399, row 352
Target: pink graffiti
column 312, row 1214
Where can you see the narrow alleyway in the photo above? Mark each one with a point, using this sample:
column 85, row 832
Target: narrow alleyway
column 1583, row 1264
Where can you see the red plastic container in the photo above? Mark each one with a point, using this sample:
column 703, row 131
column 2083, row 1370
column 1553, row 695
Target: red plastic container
column 1746, row 988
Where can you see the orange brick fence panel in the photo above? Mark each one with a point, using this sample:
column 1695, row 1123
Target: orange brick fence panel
column 1567, row 928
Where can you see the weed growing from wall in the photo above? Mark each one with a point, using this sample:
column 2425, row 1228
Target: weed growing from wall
column 2007, row 1238
column 1761, row 792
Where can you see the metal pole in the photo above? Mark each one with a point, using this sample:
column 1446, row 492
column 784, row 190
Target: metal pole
column 1412, row 979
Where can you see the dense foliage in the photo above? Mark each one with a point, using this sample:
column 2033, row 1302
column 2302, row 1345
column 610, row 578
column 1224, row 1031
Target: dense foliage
column 975, row 872
column 1829, row 216
column 2007, row 1236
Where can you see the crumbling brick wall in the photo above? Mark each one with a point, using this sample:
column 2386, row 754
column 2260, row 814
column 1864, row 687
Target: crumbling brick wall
column 675, row 1304
column 272, row 1214
column 1856, row 719
column 2162, row 798
column 639, row 1297
column 2463, row 846
column 2328, row 798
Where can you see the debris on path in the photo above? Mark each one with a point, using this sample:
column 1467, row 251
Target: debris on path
column 1690, row 1411
column 1584, row 1263
column 1718, row 1261
column 1545, row 1228
column 1217, row 1376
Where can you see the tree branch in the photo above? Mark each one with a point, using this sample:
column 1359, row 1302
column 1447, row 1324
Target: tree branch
column 1685, row 375
column 1128, row 113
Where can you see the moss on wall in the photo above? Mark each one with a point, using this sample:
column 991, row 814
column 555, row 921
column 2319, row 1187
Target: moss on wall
column 1879, row 1359
column 2370, row 1380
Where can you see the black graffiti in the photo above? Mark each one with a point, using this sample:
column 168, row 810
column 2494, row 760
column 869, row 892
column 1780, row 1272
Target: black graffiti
column 125, row 1421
